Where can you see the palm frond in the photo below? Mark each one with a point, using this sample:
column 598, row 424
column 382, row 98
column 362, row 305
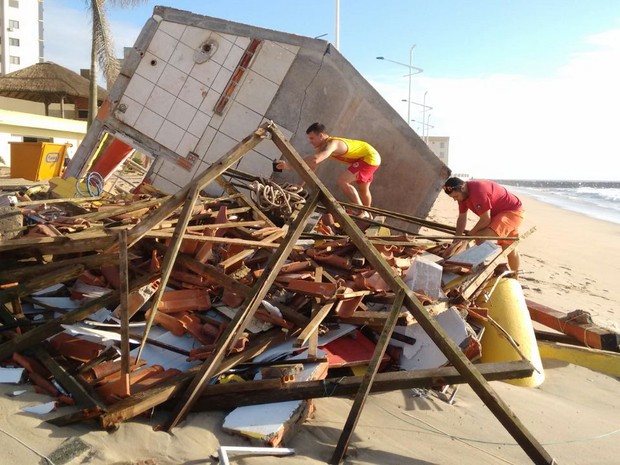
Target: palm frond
column 103, row 42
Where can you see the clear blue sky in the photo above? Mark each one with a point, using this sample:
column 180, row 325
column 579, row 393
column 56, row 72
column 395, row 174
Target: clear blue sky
column 527, row 63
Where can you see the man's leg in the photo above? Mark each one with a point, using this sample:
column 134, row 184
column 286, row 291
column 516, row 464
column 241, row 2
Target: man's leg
column 364, row 193
column 345, row 182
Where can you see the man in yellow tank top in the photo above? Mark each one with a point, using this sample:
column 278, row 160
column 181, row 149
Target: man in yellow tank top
column 362, row 158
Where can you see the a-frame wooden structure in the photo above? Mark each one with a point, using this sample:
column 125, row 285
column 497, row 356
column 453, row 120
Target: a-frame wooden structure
column 319, row 194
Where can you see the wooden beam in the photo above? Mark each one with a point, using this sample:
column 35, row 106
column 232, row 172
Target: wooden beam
column 124, row 278
column 369, row 377
column 73, row 386
column 452, row 352
column 74, row 243
column 132, row 207
column 243, row 317
column 313, row 327
column 227, row 396
column 215, row 240
column 26, row 272
column 587, row 333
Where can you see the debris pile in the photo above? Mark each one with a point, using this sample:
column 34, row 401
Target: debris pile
column 121, row 304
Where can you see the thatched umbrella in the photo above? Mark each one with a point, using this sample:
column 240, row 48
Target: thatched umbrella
column 48, row 83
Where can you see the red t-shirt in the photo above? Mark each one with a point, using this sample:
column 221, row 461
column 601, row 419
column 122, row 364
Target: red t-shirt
column 488, row 195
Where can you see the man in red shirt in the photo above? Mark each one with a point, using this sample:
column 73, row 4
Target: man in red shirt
column 500, row 214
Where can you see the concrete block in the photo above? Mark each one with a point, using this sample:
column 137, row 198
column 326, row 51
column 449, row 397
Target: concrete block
column 160, row 101
column 149, row 123
column 195, row 36
column 175, row 30
column 131, row 113
column 182, row 58
column 162, row 45
column 424, row 276
column 169, row 135
column 240, row 121
column 151, row 67
column 272, row 61
column 193, row 92
column 139, row 89
column 256, row 92
column 181, row 114
column 172, row 79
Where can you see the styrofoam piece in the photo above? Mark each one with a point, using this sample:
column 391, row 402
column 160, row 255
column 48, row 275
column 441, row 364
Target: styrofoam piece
column 49, row 290
column 11, row 375
column 476, row 255
column 424, row 353
column 40, row 409
column 424, row 276
column 16, row 393
column 287, row 347
column 166, row 358
column 278, row 451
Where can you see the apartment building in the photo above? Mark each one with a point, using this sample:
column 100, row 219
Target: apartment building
column 21, row 34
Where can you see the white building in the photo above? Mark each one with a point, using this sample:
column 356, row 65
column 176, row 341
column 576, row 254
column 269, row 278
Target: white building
column 440, row 145
column 21, row 34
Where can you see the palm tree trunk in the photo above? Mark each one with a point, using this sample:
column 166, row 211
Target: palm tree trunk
column 92, row 97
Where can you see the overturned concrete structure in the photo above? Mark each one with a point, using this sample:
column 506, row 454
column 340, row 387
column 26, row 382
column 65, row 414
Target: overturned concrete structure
column 193, row 86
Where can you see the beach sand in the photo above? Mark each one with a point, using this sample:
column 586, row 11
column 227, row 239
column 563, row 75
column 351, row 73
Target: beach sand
column 570, row 262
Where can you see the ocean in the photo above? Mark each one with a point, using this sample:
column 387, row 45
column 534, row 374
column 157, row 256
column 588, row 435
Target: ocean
column 600, row 200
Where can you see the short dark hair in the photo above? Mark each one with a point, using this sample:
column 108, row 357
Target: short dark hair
column 319, row 128
column 454, row 182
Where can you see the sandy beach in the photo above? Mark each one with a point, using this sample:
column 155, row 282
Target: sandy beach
column 570, row 262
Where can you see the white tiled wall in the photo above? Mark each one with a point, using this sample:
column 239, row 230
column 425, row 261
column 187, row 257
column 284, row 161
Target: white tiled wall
column 171, row 97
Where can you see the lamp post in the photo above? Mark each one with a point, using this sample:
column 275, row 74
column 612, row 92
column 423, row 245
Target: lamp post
column 411, row 73
column 337, row 26
column 424, row 117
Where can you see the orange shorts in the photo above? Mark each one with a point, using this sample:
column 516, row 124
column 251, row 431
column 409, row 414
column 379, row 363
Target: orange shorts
column 363, row 171
column 506, row 224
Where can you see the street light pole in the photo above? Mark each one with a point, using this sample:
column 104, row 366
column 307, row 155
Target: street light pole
column 410, row 74
column 337, row 26
column 424, row 114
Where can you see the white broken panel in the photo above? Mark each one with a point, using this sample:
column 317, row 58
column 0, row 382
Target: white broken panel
column 40, row 409
column 424, row 353
column 424, row 276
column 476, row 255
column 11, row 375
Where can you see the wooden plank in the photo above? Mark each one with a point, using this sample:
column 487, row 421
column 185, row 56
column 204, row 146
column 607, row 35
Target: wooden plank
column 215, row 240
column 74, row 243
column 589, row 333
column 242, row 318
column 26, row 272
column 369, row 377
column 227, row 396
column 81, row 395
column 486, row 393
column 603, row 361
column 40, row 282
column 124, row 278
column 373, row 318
column 212, row 172
column 134, row 206
column 312, row 328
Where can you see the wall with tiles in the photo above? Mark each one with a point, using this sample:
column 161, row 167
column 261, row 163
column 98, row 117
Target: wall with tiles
column 171, row 96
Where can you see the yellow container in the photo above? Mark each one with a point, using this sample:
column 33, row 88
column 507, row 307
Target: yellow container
column 37, row 161
column 506, row 305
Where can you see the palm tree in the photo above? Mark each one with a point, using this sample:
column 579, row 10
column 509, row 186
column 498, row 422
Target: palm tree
column 102, row 48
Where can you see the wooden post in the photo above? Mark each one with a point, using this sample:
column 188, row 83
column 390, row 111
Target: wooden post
column 124, row 278
column 317, row 318
column 238, row 324
column 369, row 376
column 452, row 352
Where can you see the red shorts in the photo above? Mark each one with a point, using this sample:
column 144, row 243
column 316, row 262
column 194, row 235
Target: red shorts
column 363, row 171
column 506, row 224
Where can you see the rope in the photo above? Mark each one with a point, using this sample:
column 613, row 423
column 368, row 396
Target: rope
column 279, row 199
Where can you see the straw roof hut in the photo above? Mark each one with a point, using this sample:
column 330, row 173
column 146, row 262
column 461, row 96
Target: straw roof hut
column 47, row 83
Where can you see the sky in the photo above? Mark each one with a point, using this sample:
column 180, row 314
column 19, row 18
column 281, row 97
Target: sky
column 525, row 89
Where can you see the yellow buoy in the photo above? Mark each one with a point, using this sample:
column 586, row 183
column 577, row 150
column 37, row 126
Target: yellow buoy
column 506, row 305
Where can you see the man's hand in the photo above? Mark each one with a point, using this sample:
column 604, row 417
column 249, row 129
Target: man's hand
column 283, row 165
column 455, row 247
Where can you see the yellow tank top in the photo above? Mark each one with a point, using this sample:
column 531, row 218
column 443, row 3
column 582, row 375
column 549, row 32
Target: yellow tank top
column 358, row 150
